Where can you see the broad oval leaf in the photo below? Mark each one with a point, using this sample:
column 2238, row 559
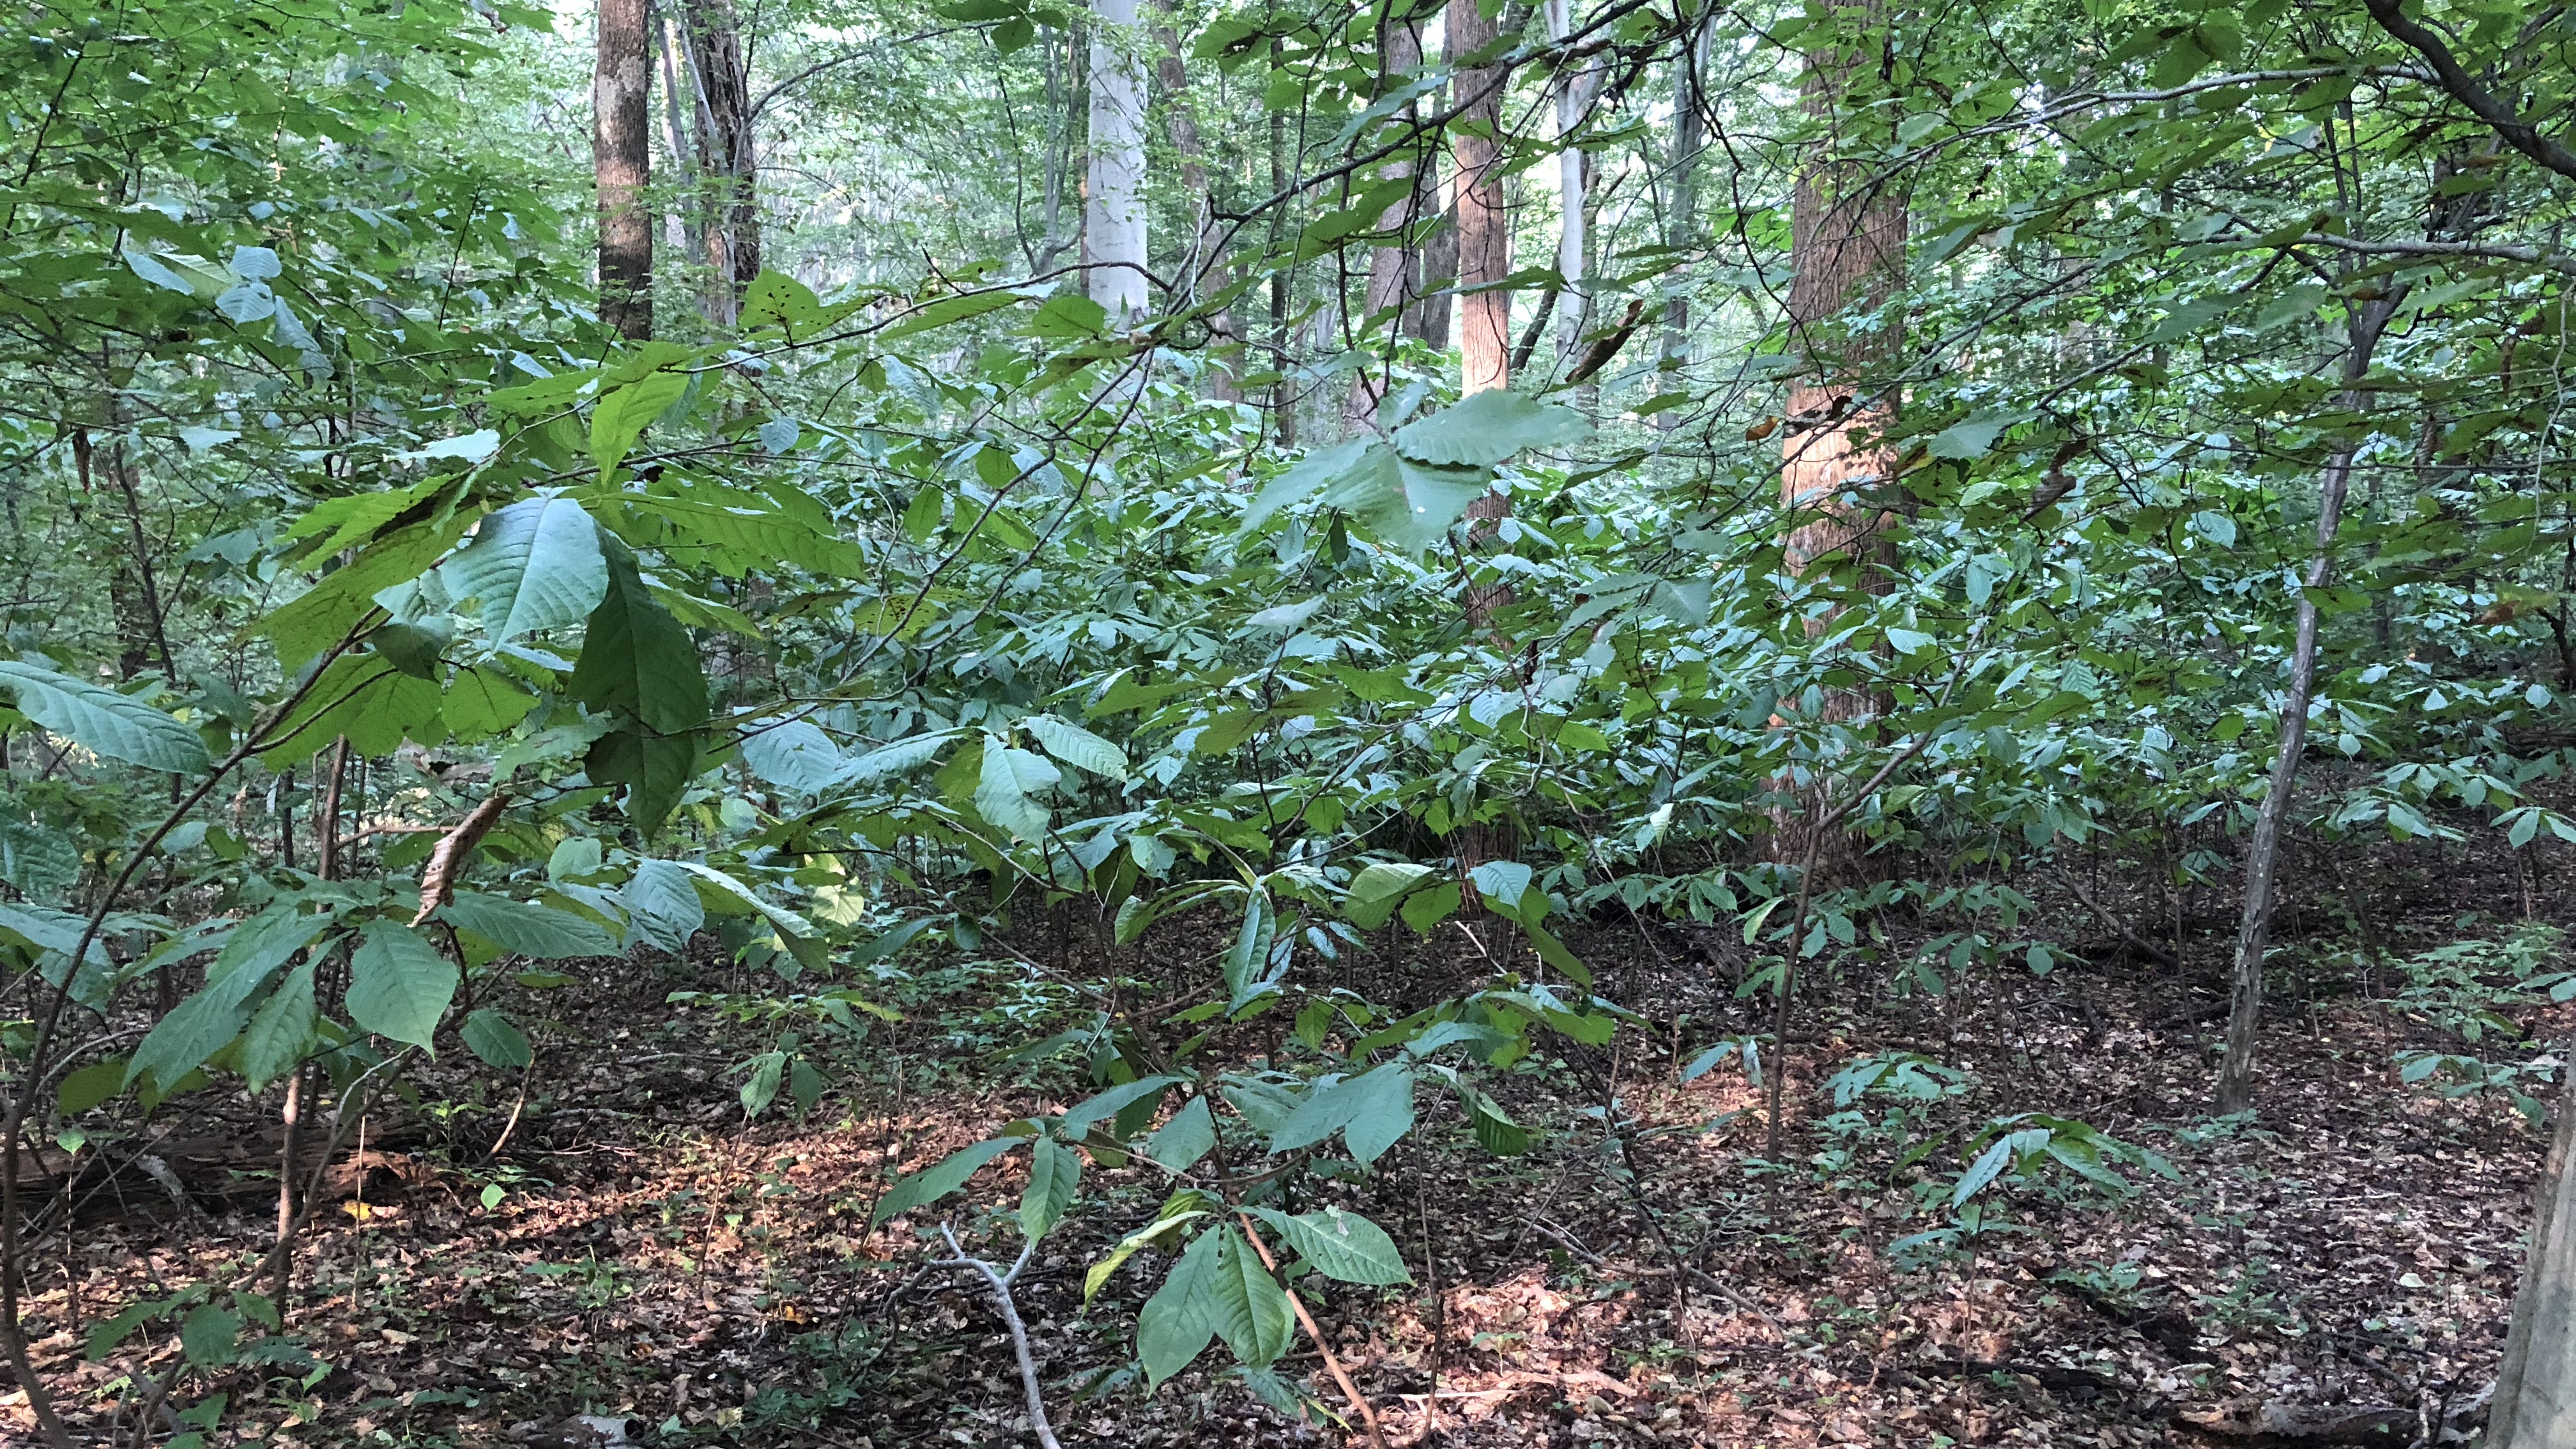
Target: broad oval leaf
column 100, row 720
column 534, row 565
column 1488, row 427
column 939, row 1180
column 399, row 986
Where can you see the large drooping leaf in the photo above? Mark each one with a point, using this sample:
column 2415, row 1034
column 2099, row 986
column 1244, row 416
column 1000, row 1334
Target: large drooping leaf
column 534, row 565
column 367, row 699
column 795, row 756
column 1181, row 1142
column 654, row 768
column 637, row 658
column 1302, row 479
column 1004, row 790
column 41, row 863
column 280, row 1033
column 1341, row 1245
column 942, row 1178
column 1401, row 501
column 1054, row 1173
column 1249, row 1307
column 524, row 928
column 622, row 414
column 214, row 1014
column 399, row 986
column 1381, row 1112
column 1077, row 746
column 98, row 719
column 1487, row 428
column 662, row 904
column 1177, row 1323
column 1379, row 888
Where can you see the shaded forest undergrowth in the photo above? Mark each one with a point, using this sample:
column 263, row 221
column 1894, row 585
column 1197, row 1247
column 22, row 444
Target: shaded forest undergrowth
column 607, row 1237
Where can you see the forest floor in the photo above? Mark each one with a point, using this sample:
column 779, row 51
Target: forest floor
column 2345, row 1259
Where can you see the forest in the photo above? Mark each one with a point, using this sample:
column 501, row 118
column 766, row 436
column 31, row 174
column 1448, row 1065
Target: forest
column 871, row 723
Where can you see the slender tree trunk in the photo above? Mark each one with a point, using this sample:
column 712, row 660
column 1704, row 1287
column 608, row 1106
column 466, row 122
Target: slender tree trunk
column 2262, row 853
column 1574, row 90
column 726, row 157
column 1395, row 267
column 1206, row 270
column 1484, row 230
column 682, row 127
column 1114, row 206
column 1681, row 227
column 1847, row 247
column 622, row 167
column 1283, row 397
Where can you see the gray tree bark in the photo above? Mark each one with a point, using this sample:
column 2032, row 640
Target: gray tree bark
column 2535, row 1399
column 2263, row 852
column 1114, row 207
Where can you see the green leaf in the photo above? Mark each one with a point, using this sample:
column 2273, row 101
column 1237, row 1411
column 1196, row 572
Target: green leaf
column 795, row 756
column 663, row 902
column 1407, row 504
column 933, row 1183
column 1381, row 1112
column 1301, row 479
column 1053, row 1174
column 1250, row 1309
column 1426, row 909
column 216, row 1012
column 1973, row 437
column 1077, row 746
column 90, row 1086
column 1342, row 1246
column 496, row 1039
column 40, row 862
column 1379, row 888
column 534, row 565
column 480, row 703
column 210, row 1336
column 280, row 1033
column 1250, row 952
column 1114, row 1101
column 99, row 719
column 1002, row 790
column 622, row 415
column 1177, row 1322
column 1178, row 1144
column 524, row 928
column 654, row 768
column 637, row 658
column 399, row 986
column 1487, row 428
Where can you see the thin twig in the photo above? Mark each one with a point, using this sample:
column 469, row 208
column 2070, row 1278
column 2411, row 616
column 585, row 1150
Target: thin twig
column 1000, row 1284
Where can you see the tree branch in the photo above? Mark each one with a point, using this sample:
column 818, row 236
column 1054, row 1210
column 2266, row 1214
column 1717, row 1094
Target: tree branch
column 2518, row 133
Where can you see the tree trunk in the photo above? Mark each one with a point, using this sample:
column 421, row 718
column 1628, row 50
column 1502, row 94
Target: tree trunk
column 1484, row 231
column 1681, row 225
column 622, row 167
column 1574, row 90
column 682, row 126
column 1847, row 254
column 1114, row 204
column 1206, row 269
column 2535, row 1398
column 1395, row 267
column 2262, row 853
column 726, row 158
